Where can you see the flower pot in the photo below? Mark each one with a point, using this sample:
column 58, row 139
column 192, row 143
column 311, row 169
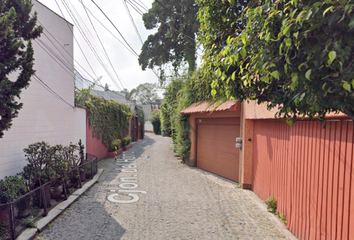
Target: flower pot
column 82, row 175
column 56, row 192
column 125, row 148
column 112, row 154
column 22, row 205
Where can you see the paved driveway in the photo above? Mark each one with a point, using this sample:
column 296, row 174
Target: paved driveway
column 149, row 194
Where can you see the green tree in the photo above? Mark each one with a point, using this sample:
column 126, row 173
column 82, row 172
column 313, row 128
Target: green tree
column 17, row 28
column 174, row 42
column 154, row 118
column 295, row 55
column 146, row 93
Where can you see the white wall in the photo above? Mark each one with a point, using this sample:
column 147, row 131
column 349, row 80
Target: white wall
column 80, row 125
column 148, row 126
column 45, row 117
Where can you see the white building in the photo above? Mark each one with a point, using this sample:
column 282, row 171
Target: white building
column 48, row 113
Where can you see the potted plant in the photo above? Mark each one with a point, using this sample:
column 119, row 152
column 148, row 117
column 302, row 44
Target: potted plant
column 74, row 162
column 112, row 148
column 37, row 169
column 60, row 166
column 40, row 169
column 126, row 143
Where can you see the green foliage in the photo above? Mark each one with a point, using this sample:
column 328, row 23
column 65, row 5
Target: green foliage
column 272, row 205
column 154, row 118
column 81, row 152
column 141, row 119
column 126, row 141
column 17, row 29
column 174, row 42
column 107, row 119
column 81, row 96
column 182, row 92
column 46, row 163
column 145, row 93
column 114, row 144
column 283, row 218
column 11, row 188
column 293, row 55
column 29, row 222
column 165, row 117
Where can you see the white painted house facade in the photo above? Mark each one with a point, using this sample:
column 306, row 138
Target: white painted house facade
column 48, row 113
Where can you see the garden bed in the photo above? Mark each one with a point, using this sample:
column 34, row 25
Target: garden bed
column 125, row 148
column 111, row 154
column 22, row 213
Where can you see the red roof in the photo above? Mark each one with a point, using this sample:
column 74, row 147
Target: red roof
column 205, row 107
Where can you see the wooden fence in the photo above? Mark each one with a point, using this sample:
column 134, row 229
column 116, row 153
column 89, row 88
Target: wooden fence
column 309, row 170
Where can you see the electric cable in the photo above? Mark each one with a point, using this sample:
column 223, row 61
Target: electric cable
column 77, row 41
column 115, row 27
column 107, row 29
column 132, row 21
column 104, row 49
column 38, row 79
column 86, row 39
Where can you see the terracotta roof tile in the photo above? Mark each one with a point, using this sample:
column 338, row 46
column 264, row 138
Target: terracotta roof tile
column 203, row 107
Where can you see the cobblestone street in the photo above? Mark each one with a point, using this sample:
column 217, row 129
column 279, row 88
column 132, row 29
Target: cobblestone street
column 165, row 199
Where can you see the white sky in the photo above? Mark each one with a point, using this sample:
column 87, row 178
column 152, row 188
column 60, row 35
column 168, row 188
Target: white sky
column 124, row 62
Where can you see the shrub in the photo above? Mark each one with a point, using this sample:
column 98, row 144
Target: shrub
column 272, row 205
column 46, row 163
column 115, row 143
column 154, row 118
column 11, row 188
column 126, row 141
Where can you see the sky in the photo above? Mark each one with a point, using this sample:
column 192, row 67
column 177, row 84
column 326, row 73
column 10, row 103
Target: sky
column 124, row 62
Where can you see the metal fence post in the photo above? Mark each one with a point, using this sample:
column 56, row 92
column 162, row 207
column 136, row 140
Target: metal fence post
column 96, row 164
column 64, row 189
column 78, row 172
column 44, row 199
column 12, row 221
column 91, row 169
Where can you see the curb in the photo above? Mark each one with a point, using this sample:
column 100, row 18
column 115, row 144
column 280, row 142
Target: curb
column 30, row 233
column 278, row 223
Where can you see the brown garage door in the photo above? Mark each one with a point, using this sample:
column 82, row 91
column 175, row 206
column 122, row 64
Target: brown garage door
column 216, row 151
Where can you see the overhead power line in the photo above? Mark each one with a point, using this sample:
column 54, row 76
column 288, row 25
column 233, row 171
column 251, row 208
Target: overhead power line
column 132, row 21
column 77, row 41
column 125, row 46
column 86, row 39
column 115, row 27
column 104, row 49
column 38, row 79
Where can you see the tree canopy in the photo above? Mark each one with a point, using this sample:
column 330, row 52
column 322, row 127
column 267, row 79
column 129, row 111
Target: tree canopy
column 17, row 28
column 175, row 39
column 295, row 55
column 146, row 93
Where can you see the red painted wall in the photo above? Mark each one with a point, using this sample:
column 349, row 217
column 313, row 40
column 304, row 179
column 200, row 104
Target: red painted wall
column 95, row 146
column 310, row 172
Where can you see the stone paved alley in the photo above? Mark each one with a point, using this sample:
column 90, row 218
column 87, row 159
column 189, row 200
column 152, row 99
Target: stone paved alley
column 169, row 201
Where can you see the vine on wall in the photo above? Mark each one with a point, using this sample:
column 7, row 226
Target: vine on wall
column 141, row 119
column 182, row 92
column 107, row 119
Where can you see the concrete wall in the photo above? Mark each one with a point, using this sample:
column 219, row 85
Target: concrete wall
column 45, row 117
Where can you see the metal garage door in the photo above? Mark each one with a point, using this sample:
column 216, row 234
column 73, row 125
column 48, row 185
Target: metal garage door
column 216, row 151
